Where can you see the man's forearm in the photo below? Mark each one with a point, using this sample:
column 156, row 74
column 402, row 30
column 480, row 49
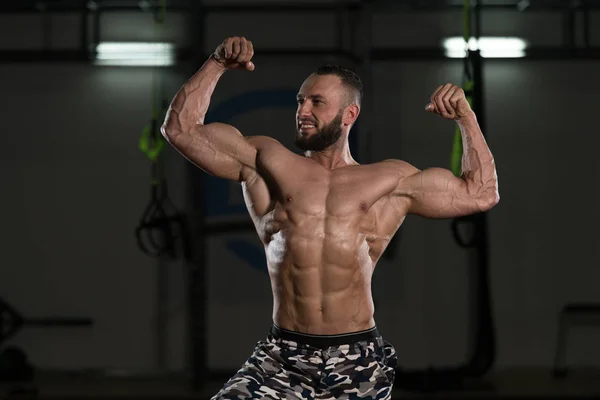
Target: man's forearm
column 478, row 164
column 191, row 102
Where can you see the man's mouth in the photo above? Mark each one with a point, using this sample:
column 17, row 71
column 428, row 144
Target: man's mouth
column 306, row 126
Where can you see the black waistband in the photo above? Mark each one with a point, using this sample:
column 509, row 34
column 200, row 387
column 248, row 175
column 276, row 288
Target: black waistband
column 322, row 341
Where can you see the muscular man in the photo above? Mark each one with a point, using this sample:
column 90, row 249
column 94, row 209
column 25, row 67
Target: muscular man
column 325, row 221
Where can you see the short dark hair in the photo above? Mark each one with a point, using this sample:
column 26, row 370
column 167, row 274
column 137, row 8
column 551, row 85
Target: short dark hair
column 349, row 79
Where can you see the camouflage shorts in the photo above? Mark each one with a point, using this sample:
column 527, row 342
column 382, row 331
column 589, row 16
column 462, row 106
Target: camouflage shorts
column 280, row 368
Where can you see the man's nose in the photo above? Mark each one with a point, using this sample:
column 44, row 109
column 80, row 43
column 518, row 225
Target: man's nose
column 304, row 110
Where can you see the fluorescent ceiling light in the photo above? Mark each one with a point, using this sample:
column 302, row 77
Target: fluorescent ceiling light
column 490, row 47
column 135, row 54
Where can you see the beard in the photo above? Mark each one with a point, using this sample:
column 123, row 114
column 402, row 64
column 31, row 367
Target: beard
column 323, row 138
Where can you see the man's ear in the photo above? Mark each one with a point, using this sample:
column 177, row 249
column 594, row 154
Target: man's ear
column 351, row 114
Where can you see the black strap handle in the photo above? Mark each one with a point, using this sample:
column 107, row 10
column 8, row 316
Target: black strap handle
column 470, row 221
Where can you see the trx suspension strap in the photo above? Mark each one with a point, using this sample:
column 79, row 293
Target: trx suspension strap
column 457, row 149
column 160, row 225
column 481, row 341
column 483, row 350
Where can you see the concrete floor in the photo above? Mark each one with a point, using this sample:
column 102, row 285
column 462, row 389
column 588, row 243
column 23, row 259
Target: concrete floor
column 510, row 383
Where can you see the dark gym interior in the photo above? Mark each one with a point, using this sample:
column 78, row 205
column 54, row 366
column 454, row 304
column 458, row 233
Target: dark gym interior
column 129, row 272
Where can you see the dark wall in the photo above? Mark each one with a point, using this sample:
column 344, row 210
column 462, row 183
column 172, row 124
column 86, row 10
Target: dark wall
column 77, row 185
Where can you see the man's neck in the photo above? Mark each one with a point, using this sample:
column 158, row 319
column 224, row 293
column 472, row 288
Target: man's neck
column 336, row 156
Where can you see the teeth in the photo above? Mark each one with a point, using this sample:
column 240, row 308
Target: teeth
column 307, row 126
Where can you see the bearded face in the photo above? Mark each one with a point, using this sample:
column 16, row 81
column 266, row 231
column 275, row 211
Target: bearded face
column 312, row 137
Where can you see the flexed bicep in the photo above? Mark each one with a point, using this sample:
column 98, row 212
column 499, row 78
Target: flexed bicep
column 438, row 193
column 218, row 149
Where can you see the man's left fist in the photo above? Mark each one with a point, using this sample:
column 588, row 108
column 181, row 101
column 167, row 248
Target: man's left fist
column 449, row 101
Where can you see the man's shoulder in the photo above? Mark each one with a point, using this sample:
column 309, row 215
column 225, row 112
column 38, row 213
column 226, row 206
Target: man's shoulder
column 264, row 142
column 270, row 149
column 394, row 166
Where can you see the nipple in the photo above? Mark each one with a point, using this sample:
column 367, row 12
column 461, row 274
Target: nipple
column 363, row 206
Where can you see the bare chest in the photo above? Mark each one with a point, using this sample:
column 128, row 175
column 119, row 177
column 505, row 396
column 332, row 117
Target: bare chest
column 311, row 196
column 309, row 204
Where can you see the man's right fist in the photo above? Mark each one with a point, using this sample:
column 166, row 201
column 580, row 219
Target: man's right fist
column 235, row 53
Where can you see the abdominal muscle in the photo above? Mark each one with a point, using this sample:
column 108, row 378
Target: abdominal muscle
column 321, row 282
